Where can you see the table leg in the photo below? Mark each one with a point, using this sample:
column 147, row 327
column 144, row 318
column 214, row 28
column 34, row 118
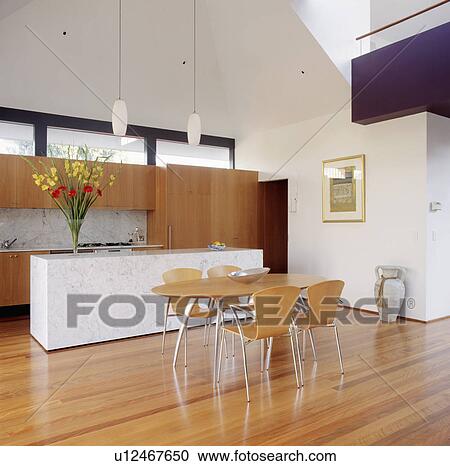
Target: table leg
column 216, row 340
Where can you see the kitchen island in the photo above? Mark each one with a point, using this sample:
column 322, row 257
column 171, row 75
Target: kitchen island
column 78, row 299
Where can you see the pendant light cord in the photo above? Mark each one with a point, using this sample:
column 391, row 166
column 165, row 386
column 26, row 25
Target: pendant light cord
column 195, row 55
column 120, row 49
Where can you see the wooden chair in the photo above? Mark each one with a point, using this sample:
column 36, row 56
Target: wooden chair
column 184, row 308
column 273, row 318
column 323, row 301
column 222, row 271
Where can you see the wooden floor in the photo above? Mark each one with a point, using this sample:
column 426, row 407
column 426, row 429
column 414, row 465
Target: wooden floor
column 396, row 391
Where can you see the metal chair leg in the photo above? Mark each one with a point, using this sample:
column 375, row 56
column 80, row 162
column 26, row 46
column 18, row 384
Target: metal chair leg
column 313, row 344
column 209, row 331
column 338, row 344
column 204, row 331
column 183, row 328
column 300, row 356
column 244, row 357
column 233, row 343
column 166, row 314
column 262, row 345
column 269, row 353
column 294, row 359
column 219, row 362
column 303, row 345
column 185, row 345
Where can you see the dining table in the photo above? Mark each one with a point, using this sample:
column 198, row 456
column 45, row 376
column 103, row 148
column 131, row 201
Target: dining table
column 219, row 288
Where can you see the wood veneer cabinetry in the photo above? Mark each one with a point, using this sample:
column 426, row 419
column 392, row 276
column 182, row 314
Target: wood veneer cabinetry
column 15, row 277
column 207, row 204
column 134, row 189
column 28, row 195
column 7, row 181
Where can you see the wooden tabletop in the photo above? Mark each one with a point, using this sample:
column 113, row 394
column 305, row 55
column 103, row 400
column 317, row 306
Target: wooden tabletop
column 224, row 287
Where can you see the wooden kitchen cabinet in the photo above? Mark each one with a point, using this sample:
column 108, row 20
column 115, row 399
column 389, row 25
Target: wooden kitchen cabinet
column 28, row 195
column 15, row 281
column 7, row 181
column 207, row 204
column 189, row 206
column 134, row 188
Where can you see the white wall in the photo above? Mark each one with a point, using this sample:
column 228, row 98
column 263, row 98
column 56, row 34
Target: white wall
column 438, row 237
column 395, row 230
column 335, row 25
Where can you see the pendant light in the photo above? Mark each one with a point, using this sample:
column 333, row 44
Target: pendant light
column 194, row 126
column 120, row 112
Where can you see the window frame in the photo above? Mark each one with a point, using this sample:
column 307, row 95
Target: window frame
column 41, row 121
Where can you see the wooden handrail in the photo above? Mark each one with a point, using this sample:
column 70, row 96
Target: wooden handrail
column 413, row 15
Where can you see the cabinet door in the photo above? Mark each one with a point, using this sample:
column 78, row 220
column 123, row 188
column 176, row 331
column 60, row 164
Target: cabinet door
column 189, row 206
column 22, row 278
column 30, row 196
column 208, row 204
column 8, row 181
column 234, row 207
column 245, row 227
column 144, row 187
column 8, row 272
column 120, row 195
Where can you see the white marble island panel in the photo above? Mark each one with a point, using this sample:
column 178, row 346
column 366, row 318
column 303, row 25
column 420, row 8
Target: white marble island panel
column 75, row 297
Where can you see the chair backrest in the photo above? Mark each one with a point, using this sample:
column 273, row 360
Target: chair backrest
column 323, row 300
column 181, row 275
column 273, row 307
column 222, row 270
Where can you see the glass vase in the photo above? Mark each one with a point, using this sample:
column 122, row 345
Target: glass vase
column 75, row 227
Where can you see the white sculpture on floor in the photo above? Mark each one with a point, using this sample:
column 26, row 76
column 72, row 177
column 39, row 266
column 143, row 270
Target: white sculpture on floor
column 389, row 291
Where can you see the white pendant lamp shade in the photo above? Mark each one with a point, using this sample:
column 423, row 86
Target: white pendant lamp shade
column 194, row 129
column 120, row 118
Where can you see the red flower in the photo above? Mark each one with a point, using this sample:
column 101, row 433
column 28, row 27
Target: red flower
column 99, row 192
column 72, row 193
column 62, row 188
column 88, row 188
column 56, row 193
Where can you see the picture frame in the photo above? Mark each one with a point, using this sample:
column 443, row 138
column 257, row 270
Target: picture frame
column 343, row 189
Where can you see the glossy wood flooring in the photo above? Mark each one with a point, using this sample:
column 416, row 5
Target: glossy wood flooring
column 396, row 390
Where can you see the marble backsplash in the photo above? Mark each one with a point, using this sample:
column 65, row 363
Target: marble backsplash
column 47, row 228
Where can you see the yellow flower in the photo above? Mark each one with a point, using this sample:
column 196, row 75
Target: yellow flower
column 44, row 187
column 96, row 184
column 111, row 183
column 67, row 166
column 53, row 171
column 112, row 177
column 51, row 183
column 36, row 177
column 38, row 182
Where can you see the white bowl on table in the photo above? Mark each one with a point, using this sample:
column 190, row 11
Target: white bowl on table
column 249, row 275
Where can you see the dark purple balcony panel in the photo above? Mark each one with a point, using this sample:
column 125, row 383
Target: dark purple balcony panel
column 408, row 77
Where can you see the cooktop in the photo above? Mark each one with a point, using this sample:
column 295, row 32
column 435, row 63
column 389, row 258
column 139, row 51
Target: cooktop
column 102, row 245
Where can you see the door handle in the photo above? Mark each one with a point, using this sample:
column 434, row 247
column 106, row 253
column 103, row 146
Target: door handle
column 169, row 234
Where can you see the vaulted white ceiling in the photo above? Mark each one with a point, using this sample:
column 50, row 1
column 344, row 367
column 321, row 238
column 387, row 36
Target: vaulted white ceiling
column 251, row 54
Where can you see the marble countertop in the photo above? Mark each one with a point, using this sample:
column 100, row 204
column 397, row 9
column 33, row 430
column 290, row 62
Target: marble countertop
column 100, row 248
column 128, row 253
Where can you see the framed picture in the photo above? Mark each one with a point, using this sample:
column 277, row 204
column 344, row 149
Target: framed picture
column 343, row 189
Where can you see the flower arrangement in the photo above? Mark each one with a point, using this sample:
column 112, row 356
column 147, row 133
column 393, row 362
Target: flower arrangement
column 74, row 185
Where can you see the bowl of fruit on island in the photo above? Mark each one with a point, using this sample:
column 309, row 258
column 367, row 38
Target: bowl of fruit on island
column 217, row 246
